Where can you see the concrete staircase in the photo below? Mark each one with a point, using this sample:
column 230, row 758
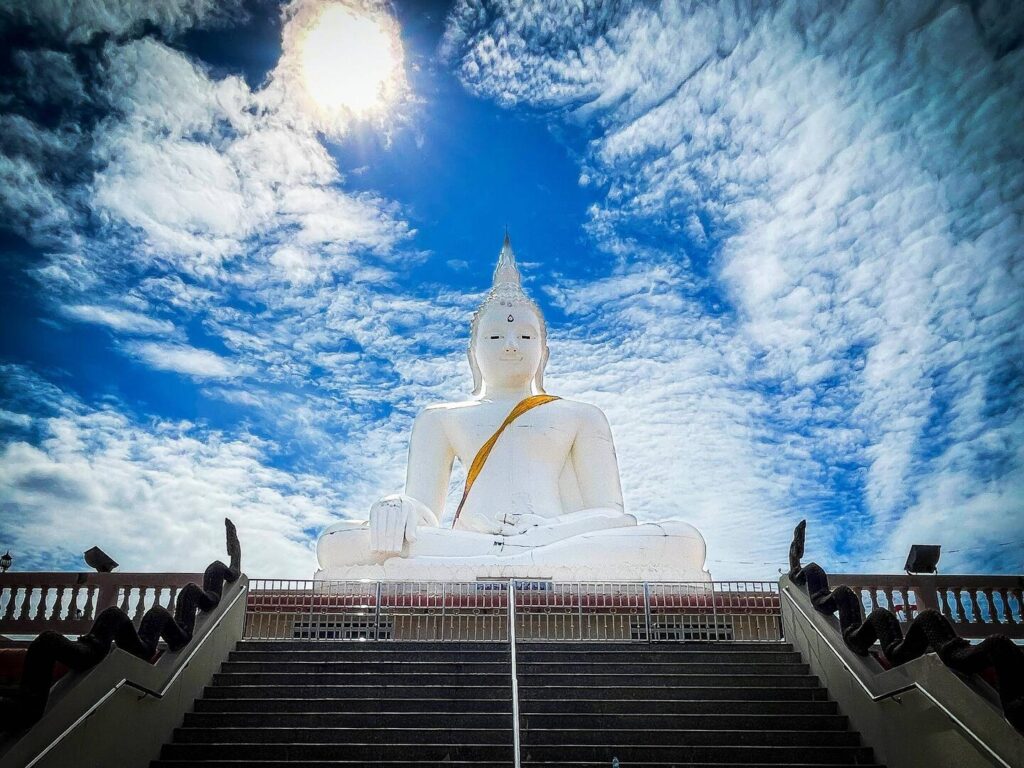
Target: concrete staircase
column 301, row 704
column 680, row 704
column 304, row 704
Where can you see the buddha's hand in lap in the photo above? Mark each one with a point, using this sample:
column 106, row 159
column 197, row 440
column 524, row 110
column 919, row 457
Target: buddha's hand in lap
column 533, row 530
column 394, row 520
column 512, row 524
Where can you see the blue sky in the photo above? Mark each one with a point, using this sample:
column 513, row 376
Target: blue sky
column 780, row 247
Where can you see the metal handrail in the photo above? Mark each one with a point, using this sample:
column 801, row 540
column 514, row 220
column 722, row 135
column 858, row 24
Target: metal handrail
column 896, row 691
column 515, row 679
column 139, row 687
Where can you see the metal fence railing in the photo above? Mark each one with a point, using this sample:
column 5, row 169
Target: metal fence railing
column 541, row 610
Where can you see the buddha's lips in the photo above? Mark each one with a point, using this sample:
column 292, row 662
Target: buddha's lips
column 516, row 359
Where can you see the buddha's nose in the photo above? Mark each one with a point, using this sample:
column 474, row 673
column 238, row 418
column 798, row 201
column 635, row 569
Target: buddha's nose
column 511, row 345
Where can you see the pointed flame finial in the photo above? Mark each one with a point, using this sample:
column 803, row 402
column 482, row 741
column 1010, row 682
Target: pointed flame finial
column 507, row 271
column 507, row 293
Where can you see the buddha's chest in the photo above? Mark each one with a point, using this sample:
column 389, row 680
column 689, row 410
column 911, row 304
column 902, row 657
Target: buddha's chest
column 542, row 436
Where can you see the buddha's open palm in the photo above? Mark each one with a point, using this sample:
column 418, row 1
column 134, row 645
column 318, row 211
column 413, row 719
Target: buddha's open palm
column 393, row 522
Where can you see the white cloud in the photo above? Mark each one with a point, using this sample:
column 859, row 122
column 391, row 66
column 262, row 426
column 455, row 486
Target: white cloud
column 850, row 172
column 220, row 208
column 79, row 21
column 118, row 319
column 29, row 202
column 198, row 363
column 222, row 170
column 154, row 497
column 49, row 76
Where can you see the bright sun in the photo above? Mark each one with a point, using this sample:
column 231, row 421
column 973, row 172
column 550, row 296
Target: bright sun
column 350, row 61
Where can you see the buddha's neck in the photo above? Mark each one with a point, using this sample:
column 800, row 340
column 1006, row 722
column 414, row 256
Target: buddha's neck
column 507, row 393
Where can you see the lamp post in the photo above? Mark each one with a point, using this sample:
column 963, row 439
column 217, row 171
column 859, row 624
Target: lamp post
column 923, row 558
column 5, row 561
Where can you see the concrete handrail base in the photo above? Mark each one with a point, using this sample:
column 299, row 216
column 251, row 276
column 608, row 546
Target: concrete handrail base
column 919, row 713
column 124, row 709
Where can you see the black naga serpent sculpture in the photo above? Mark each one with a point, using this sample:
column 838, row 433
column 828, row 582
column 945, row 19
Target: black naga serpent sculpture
column 928, row 631
column 25, row 704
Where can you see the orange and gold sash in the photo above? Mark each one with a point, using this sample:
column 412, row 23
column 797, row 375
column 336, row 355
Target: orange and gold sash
column 485, row 450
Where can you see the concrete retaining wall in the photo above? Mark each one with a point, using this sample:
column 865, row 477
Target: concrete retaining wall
column 899, row 711
column 120, row 712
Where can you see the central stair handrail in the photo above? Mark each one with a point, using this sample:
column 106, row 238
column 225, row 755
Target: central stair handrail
column 870, row 685
column 515, row 680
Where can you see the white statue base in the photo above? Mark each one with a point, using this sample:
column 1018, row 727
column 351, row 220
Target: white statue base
column 664, row 551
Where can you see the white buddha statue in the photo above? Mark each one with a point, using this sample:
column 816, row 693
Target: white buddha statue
column 544, row 502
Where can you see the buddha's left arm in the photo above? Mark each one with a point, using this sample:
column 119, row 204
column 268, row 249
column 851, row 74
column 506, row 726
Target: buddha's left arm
column 597, row 468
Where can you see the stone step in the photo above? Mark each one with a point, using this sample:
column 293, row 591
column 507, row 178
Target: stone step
column 501, row 654
column 290, row 646
column 687, row 755
column 382, row 690
column 497, row 679
column 572, row 648
column 534, row 686
column 589, row 667
column 655, row 657
column 795, row 708
column 530, row 738
column 503, row 667
column 590, row 646
column 254, row 753
column 342, row 719
column 492, row 707
column 639, row 680
column 673, row 693
column 533, row 721
column 643, row 680
column 649, row 737
column 374, row 653
column 664, row 721
column 310, row 735
column 370, row 667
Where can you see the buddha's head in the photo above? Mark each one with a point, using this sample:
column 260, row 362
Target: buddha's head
column 508, row 339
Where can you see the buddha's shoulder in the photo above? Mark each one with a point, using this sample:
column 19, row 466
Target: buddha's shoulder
column 441, row 412
column 585, row 412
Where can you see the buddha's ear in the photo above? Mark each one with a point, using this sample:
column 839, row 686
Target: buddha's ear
column 538, row 380
column 478, row 379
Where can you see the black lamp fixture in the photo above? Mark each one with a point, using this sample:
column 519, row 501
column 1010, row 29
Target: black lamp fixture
column 5, row 561
column 923, row 558
column 100, row 560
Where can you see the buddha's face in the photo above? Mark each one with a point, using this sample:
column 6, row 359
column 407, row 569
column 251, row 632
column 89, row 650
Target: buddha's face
column 508, row 346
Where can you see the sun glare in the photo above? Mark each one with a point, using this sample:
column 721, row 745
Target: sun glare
column 350, row 61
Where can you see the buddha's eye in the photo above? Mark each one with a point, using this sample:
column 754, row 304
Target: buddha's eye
column 495, row 337
column 526, row 337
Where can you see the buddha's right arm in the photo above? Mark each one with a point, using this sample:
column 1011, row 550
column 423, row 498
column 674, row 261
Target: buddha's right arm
column 429, row 467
